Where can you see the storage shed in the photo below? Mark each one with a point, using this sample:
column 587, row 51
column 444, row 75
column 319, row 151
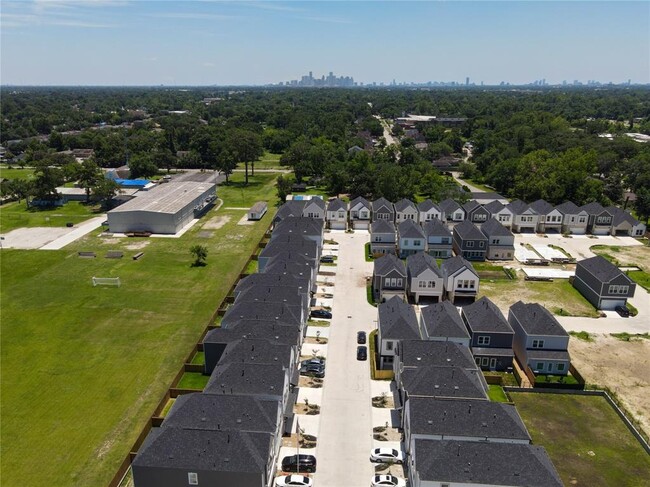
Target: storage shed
column 258, row 210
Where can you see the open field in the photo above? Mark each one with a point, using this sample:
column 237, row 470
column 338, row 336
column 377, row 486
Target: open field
column 268, row 161
column 621, row 366
column 15, row 173
column 629, row 256
column 17, row 215
column 559, row 296
column 83, row 367
column 588, row 443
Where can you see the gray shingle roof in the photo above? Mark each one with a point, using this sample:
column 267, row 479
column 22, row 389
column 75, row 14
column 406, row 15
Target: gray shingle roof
column 301, row 245
column 448, row 206
column 246, row 379
column 452, row 265
column 593, row 208
column 212, row 412
column 254, row 329
column 256, row 351
column 465, row 418
column 410, row 229
column 288, row 263
column 601, row 268
column 382, row 226
column 272, row 294
column 468, row 231
column 494, row 207
column 568, row 208
column 290, row 208
column 482, row 463
column 262, row 311
column 299, row 225
column 336, row 205
column 382, row 204
column 517, row 207
column 541, row 207
column 537, row 320
column 548, row 355
column 453, row 382
column 484, row 316
column 388, row 263
column 404, row 204
column 359, row 199
column 471, row 205
column 435, row 228
column 417, row 263
column 621, row 216
column 443, row 320
column 397, row 320
column 300, row 284
column 492, row 228
column 421, row 353
column 427, row 205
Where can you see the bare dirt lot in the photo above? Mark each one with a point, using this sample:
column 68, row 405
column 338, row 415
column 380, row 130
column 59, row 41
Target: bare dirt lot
column 623, row 367
column 215, row 223
column 627, row 255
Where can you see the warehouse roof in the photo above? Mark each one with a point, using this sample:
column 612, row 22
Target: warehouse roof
column 166, row 198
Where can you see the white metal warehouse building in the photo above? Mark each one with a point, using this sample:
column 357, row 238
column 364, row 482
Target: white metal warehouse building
column 165, row 209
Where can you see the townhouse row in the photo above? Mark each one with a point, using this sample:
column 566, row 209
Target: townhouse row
column 231, row 433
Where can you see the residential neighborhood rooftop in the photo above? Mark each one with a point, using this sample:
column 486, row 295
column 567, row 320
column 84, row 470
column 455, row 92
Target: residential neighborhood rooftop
column 537, row 320
column 601, row 268
column 421, row 353
column 443, row 320
column 397, row 320
column 484, row 316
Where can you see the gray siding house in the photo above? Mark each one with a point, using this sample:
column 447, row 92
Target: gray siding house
column 411, row 238
column 500, row 213
column 337, row 214
column 624, row 224
column 574, row 219
column 491, row 335
column 382, row 237
column 441, row 322
column 600, row 219
column 406, row 210
column 501, row 241
column 602, row 283
column 469, row 242
column 475, row 212
column 382, row 209
column 540, row 341
column 428, row 211
column 388, row 278
column 360, row 211
column 524, row 218
column 396, row 321
column 549, row 218
column 424, row 277
column 452, row 211
column 461, row 280
column 438, row 239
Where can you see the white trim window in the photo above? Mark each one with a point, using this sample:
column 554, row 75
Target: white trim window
column 192, row 478
column 618, row 289
column 483, row 340
column 538, row 343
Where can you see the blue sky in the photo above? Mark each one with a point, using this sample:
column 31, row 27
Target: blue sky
column 140, row 42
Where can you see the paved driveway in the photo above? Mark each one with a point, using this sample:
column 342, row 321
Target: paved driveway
column 345, row 432
column 578, row 245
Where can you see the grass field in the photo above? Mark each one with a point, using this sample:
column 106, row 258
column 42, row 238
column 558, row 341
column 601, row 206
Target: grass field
column 268, row 161
column 17, row 215
column 84, row 367
column 496, row 394
column 15, row 173
column 584, row 437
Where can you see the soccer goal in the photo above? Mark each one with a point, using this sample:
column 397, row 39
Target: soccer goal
column 106, row 281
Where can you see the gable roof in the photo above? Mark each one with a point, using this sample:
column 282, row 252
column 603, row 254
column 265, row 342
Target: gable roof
column 421, row 353
column 336, row 205
column 492, row 228
column 468, row 231
column 449, row 206
column 262, row 311
column 248, row 379
column 593, row 208
column 272, row 294
column 537, row 320
column 427, row 205
column 410, row 229
column 405, row 204
column 465, row 418
column 435, row 228
column 517, row 207
column 568, row 208
column 315, row 201
column 621, row 216
column 397, row 320
column 417, row 263
column 271, row 331
column 601, row 268
column 388, row 263
column 256, row 351
column 443, row 320
column 299, row 225
column 382, row 226
column 471, row 205
column 431, row 381
column 380, row 203
column 483, row 463
column 290, row 208
column 450, row 266
column 484, row 316
column 494, row 207
column 541, row 207
column 299, row 283
column 359, row 200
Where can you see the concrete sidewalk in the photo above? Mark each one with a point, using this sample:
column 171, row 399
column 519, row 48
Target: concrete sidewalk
column 78, row 232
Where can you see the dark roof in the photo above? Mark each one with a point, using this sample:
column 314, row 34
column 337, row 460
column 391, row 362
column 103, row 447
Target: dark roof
column 568, row 207
column 482, row 463
column 492, row 352
column 273, row 294
column 465, row 418
column 301, row 245
column 486, row 195
column 449, row 206
column 299, row 225
column 255, row 329
column 290, row 208
column 382, row 226
column 409, row 229
column 548, row 355
column 247, row 379
column 212, row 412
column 443, row 320
column 262, row 311
column 435, row 227
column 288, row 263
column 453, row 264
column 337, row 204
column 404, row 204
column 397, row 320
column 259, row 206
column 382, row 202
column 468, row 231
column 517, row 207
column 593, row 208
column 256, row 351
column 494, row 207
column 299, row 283
column 535, row 319
column 492, row 228
column 208, row 450
column 455, row 382
column 427, row 205
column 424, row 353
column 621, row 216
column 484, row 316
column 417, row 263
column 601, row 268
column 541, row 207
column 471, row 205
column 388, row 263
column 359, row 199
column 315, row 201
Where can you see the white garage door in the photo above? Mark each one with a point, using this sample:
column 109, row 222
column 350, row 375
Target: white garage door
column 610, row 304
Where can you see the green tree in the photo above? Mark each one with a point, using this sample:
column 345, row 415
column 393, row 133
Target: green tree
column 88, row 176
column 642, row 204
column 104, row 190
column 246, row 147
column 200, row 253
column 283, row 187
column 46, row 179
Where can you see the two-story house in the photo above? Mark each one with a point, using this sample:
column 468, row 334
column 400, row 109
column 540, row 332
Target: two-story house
column 314, row 208
column 574, row 219
column 624, row 224
column 469, row 242
column 382, row 209
column 475, row 212
column 600, row 219
column 500, row 213
column 411, row 238
column 405, row 209
column 424, row 278
column 460, row 279
column 360, row 211
column 452, row 211
column 491, row 335
column 549, row 218
column 438, row 239
column 382, row 237
column 337, row 214
column 524, row 218
column 540, row 342
column 428, row 211
column 388, row 278
column 441, row 322
column 602, row 283
column 501, row 241
column 396, row 321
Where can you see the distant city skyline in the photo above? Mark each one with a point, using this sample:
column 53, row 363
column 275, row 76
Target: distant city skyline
column 127, row 42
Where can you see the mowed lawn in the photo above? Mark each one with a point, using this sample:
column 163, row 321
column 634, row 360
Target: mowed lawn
column 83, row 367
column 588, row 443
column 17, row 215
column 15, row 173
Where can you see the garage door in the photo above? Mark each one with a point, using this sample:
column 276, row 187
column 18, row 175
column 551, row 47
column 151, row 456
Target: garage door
column 610, row 304
column 361, row 225
column 337, row 225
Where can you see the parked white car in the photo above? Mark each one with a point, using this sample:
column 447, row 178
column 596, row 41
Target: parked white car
column 386, row 455
column 387, row 481
column 294, row 481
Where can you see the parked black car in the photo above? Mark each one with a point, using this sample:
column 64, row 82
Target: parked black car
column 361, row 337
column 327, row 259
column 306, row 463
column 362, row 353
column 320, row 313
column 313, row 361
column 623, row 311
column 313, row 370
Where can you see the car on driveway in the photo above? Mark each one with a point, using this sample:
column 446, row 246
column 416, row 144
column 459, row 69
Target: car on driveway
column 387, row 481
column 623, row 311
column 294, row 480
column 320, row 313
column 313, row 361
column 306, row 463
column 362, row 353
column 313, row 370
column 327, row 259
column 386, row 455
column 361, row 337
